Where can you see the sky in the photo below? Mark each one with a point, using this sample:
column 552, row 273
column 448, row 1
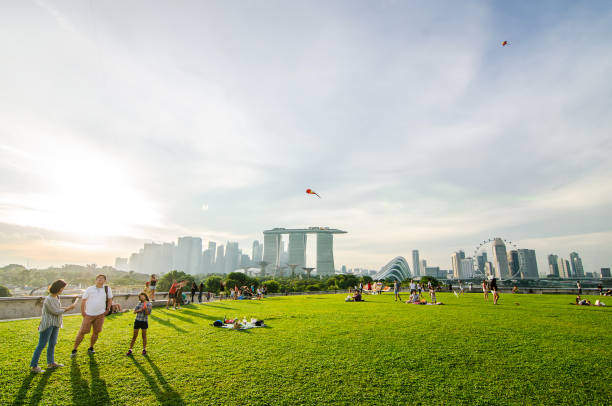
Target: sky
column 129, row 122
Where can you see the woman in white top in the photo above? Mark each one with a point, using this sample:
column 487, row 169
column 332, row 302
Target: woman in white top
column 50, row 323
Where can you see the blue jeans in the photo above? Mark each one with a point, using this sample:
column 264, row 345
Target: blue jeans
column 47, row 336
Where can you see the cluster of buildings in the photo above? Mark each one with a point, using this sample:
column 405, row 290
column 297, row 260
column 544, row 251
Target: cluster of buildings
column 188, row 255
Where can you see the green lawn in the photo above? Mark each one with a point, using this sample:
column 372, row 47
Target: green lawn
column 530, row 349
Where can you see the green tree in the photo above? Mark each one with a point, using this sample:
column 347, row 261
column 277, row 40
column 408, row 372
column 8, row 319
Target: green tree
column 166, row 280
column 4, row 292
column 236, row 279
column 213, row 284
column 434, row 281
column 272, row 286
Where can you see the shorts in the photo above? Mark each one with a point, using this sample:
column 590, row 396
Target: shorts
column 172, row 295
column 92, row 321
column 141, row 324
column 413, row 291
column 152, row 288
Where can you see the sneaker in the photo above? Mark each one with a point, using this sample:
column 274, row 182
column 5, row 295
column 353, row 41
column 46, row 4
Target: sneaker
column 37, row 370
column 73, row 353
column 129, row 353
column 144, row 352
column 90, row 350
column 55, row 365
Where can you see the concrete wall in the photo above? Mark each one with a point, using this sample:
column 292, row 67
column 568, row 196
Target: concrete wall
column 31, row 306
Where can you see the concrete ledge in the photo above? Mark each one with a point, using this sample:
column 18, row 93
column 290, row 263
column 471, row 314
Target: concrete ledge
column 27, row 307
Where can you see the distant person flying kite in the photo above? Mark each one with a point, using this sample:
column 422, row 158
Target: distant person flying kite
column 312, row 192
column 505, row 43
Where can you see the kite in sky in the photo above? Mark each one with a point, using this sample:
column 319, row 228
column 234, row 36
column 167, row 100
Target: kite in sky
column 504, row 43
column 312, row 192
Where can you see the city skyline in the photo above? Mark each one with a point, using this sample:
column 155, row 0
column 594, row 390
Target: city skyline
column 413, row 123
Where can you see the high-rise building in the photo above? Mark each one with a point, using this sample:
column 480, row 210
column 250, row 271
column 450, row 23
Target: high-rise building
column 415, row 263
column 121, row 264
column 232, row 256
column 325, row 254
column 456, row 258
column 513, row 264
column 528, row 265
column 553, row 265
column 188, row 254
column 423, row 264
column 481, row 260
column 220, row 261
column 257, row 252
column 343, row 269
column 297, row 251
column 605, row 272
column 576, row 264
column 564, row 269
column 212, row 246
column 489, row 269
column 500, row 259
column 466, row 268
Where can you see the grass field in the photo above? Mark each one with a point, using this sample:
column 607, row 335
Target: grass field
column 530, row 349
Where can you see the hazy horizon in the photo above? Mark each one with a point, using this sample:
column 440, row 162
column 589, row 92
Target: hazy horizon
column 126, row 123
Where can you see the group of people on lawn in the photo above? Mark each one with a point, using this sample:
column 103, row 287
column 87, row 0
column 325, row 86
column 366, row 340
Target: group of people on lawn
column 96, row 304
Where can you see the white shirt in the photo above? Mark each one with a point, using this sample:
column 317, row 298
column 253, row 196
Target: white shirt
column 413, row 286
column 96, row 300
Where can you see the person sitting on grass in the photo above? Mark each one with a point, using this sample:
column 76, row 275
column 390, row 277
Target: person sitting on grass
column 142, row 310
column 357, row 297
column 599, row 303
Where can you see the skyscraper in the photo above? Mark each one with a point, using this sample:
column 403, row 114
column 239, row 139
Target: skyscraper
column 481, row 260
column 220, row 262
column 513, row 264
column 256, row 255
column 416, row 266
column 456, row 258
column 489, row 270
column 423, row 264
column 605, row 272
column 232, row 256
column 564, row 269
column 553, row 265
column 297, row 250
column 466, row 268
column 576, row 264
column 500, row 259
column 212, row 246
column 528, row 265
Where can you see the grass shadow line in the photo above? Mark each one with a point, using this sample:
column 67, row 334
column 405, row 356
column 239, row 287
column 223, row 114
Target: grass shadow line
column 166, row 396
column 200, row 315
column 220, row 307
column 181, row 318
column 167, row 323
column 23, row 390
column 98, row 385
column 38, row 391
column 79, row 386
column 173, row 396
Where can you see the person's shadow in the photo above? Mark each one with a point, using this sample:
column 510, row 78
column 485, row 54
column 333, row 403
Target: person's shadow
column 166, row 395
column 38, row 391
column 82, row 393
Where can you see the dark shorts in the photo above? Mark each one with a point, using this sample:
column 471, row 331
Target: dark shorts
column 141, row 324
column 172, row 295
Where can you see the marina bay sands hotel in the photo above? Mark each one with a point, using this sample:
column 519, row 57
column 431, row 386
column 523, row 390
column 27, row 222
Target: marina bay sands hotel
column 297, row 247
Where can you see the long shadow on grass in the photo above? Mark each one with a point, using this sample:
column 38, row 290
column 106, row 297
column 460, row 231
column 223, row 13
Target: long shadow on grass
column 220, row 306
column 98, row 386
column 200, row 315
column 38, row 391
column 167, row 395
column 167, row 323
column 82, row 393
column 181, row 318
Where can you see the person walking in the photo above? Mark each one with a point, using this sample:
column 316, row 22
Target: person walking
column 396, row 291
column 50, row 323
column 579, row 286
column 194, row 289
column 495, row 291
column 201, row 292
column 142, row 310
column 485, row 290
column 600, row 289
column 97, row 301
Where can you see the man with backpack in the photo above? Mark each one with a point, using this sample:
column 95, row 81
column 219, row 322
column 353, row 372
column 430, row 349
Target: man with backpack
column 96, row 304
